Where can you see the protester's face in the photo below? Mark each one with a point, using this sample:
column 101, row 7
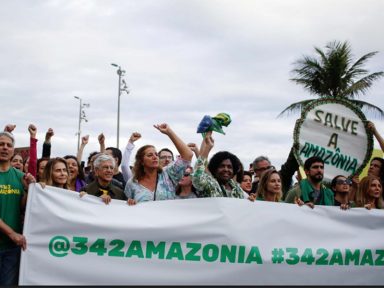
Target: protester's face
column 316, row 172
column 41, row 167
column 225, row 171
column 26, row 165
column 165, row 158
column 246, row 184
column 374, row 168
column 343, row 185
column 59, row 174
column 186, row 180
column 6, row 149
column 375, row 189
column 150, row 158
column 261, row 167
column 17, row 162
column 73, row 168
column 274, row 184
column 105, row 171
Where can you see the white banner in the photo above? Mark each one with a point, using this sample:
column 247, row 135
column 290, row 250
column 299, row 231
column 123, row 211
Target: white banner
column 212, row 241
column 335, row 131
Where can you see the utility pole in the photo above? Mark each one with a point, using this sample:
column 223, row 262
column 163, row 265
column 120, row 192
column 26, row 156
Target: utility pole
column 82, row 116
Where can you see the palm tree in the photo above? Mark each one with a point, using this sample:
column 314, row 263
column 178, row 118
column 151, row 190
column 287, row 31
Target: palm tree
column 332, row 74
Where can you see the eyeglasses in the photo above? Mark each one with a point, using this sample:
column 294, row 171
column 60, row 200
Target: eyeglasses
column 187, row 174
column 264, row 168
column 346, row 181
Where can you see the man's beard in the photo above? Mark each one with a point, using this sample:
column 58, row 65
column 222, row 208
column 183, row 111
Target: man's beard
column 317, row 178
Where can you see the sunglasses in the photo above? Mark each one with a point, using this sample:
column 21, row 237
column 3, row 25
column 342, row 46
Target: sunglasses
column 187, row 174
column 264, row 168
column 346, row 181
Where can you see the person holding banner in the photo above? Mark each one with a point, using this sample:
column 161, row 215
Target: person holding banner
column 311, row 191
column 341, row 187
column 369, row 193
column 12, row 200
column 150, row 182
column 56, row 173
column 103, row 187
column 269, row 188
column 222, row 166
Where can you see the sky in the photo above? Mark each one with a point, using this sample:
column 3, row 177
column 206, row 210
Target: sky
column 183, row 59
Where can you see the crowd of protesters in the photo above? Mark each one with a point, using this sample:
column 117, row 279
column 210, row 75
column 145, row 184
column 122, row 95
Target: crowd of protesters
column 157, row 176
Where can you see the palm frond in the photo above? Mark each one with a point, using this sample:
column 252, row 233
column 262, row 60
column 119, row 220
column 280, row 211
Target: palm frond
column 298, row 106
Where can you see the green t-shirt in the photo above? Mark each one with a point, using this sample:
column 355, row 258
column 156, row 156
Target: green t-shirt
column 11, row 193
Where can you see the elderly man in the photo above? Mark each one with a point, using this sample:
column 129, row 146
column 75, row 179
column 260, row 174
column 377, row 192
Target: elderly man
column 102, row 186
column 12, row 200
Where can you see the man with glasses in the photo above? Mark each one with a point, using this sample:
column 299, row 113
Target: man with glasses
column 311, row 191
column 288, row 169
column 102, row 186
column 165, row 157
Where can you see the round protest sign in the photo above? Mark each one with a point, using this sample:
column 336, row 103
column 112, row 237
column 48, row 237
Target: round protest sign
column 334, row 130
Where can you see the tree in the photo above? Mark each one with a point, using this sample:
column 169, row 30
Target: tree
column 332, row 74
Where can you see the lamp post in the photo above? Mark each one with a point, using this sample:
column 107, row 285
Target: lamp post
column 82, row 116
column 122, row 87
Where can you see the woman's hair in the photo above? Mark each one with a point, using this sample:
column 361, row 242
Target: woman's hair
column 381, row 160
column 219, row 157
column 262, row 188
column 138, row 168
column 48, row 171
column 38, row 165
column 362, row 192
column 80, row 174
column 334, row 180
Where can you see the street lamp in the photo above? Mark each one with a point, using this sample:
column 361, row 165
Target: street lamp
column 82, row 116
column 121, row 88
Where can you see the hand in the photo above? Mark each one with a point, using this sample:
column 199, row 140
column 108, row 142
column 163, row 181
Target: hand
column 9, row 128
column 163, row 128
column 310, row 205
column 252, row 197
column 371, row 126
column 32, row 130
column 131, row 202
column 355, row 180
column 18, row 239
column 345, row 206
column 101, row 139
column 84, row 140
column 208, row 140
column 194, row 148
column 134, row 137
column 368, row 206
column 28, row 179
column 49, row 135
column 82, row 194
column 299, row 202
column 106, row 199
column 42, row 184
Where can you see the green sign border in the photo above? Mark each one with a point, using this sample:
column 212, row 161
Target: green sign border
column 310, row 106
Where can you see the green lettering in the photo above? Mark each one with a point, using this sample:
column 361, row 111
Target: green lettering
column 367, row 258
column 349, row 256
column 228, row 254
column 153, row 249
column 191, row 255
column 380, row 258
column 317, row 113
column 337, row 258
column 135, row 249
column 254, row 256
column 354, row 128
column 241, row 254
column 175, row 251
column 333, row 141
column 210, row 252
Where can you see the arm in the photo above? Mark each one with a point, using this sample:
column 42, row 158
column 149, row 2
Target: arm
column 47, row 144
column 125, row 169
column 32, row 167
column 287, row 171
column 84, row 142
column 194, row 149
column 15, row 237
column 101, row 139
column 9, row 128
column 184, row 151
column 378, row 137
